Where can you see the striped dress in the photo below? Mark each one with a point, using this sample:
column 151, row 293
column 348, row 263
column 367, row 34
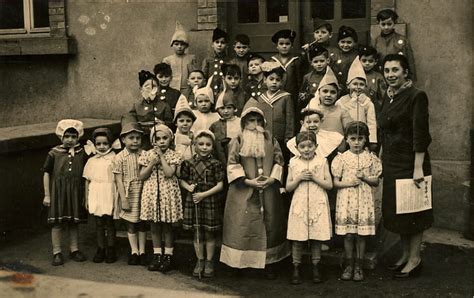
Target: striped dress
column 126, row 164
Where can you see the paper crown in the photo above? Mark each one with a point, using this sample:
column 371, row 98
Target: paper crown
column 182, row 105
column 329, row 78
column 65, row 124
column 206, row 90
column 356, row 71
column 179, row 34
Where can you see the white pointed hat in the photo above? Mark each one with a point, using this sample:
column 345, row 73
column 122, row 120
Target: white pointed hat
column 226, row 97
column 179, row 34
column 329, row 78
column 206, row 90
column 356, row 71
column 182, row 105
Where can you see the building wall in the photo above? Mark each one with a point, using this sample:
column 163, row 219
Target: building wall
column 115, row 39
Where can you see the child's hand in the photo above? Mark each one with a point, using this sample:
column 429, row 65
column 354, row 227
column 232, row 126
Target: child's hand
column 125, row 205
column 353, row 182
column 302, row 96
column 198, row 197
column 360, row 174
column 191, row 188
column 267, row 182
column 254, row 183
column 47, row 201
column 305, row 47
column 305, row 175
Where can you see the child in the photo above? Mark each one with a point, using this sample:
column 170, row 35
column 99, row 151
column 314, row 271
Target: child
column 126, row 170
column 319, row 59
column 161, row 196
column 283, row 41
column 148, row 110
column 391, row 42
column 241, row 55
column 355, row 172
column 165, row 92
column 357, row 104
column 254, row 218
column 232, row 80
column 101, row 194
column 211, row 66
column 309, row 219
column 182, row 64
column 344, row 55
column 204, row 100
column 64, row 188
column 202, row 178
column 183, row 120
column 255, row 85
column 195, row 78
column 227, row 127
column 276, row 104
column 322, row 35
column 376, row 86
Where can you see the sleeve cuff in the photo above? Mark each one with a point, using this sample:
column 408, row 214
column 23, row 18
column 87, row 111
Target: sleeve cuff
column 277, row 172
column 235, row 171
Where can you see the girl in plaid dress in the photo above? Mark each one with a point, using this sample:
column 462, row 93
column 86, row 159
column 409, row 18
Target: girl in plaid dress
column 202, row 178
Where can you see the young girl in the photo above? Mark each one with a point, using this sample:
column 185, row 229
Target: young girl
column 309, row 219
column 101, row 194
column 161, row 196
column 204, row 101
column 64, row 188
column 344, row 55
column 203, row 179
column 355, row 172
column 183, row 120
column 195, row 78
column 129, row 187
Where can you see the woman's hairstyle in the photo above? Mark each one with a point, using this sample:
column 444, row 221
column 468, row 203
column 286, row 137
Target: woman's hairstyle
column 357, row 127
column 386, row 14
column 308, row 112
column 400, row 58
column 231, row 70
column 303, row 136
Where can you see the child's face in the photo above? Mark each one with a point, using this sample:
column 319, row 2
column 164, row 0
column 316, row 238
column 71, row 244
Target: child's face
column 70, row 139
column 102, row 144
column 307, row 149
column 184, row 123
column 328, row 95
column 356, row 86
column 356, row 142
column 203, row 104
column 387, row 26
column 346, row 44
column 273, row 82
column 162, row 140
column 311, row 122
column 232, row 81
column 195, row 79
column 132, row 141
column 179, row 47
column 252, row 121
column 226, row 112
column 219, row 45
column 320, row 63
column 368, row 62
column 241, row 49
column 283, row 46
column 203, row 145
column 163, row 80
column 322, row 34
column 254, row 67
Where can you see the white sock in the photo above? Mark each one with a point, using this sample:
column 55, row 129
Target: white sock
column 157, row 250
column 142, row 242
column 169, row 250
column 132, row 239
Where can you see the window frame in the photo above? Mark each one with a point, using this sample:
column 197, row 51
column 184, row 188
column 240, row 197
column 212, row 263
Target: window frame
column 28, row 23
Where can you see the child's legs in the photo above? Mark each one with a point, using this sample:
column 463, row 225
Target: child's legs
column 315, row 252
column 297, row 251
column 199, row 245
column 210, row 244
column 156, row 231
column 109, row 222
column 73, row 236
column 349, row 246
column 360, row 246
column 168, row 235
column 141, row 237
column 100, row 230
column 132, row 229
column 56, row 238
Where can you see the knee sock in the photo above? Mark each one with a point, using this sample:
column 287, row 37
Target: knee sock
column 169, row 250
column 56, row 238
column 297, row 251
column 315, row 252
column 133, row 240
column 142, row 242
column 73, row 237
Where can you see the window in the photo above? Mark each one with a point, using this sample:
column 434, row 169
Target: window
column 24, row 16
column 353, row 9
column 323, row 9
column 247, row 11
column 277, row 11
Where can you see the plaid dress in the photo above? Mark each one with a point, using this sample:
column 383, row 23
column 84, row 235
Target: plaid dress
column 205, row 172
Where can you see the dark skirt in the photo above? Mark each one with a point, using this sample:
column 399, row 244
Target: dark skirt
column 67, row 200
column 209, row 213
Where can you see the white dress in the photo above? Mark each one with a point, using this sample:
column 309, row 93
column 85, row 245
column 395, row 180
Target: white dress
column 103, row 197
column 309, row 216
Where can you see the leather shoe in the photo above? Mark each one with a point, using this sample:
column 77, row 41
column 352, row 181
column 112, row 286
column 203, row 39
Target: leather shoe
column 396, row 267
column 415, row 272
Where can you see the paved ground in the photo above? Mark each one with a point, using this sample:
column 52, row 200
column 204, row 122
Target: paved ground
column 25, row 271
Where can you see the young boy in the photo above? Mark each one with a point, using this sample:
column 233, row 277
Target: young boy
column 391, row 42
column 254, row 230
column 357, row 104
column 241, row 55
column 376, row 86
column 232, row 80
column 181, row 62
column 195, row 78
column 322, row 35
column 291, row 80
column 166, row 93
column 255, row 86
column 183, row 120
column 211, row 66
column 204, row 115
column 344, row 55
column 227, row 127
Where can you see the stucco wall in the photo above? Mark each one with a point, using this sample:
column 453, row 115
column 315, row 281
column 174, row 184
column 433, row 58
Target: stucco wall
column 115, row 39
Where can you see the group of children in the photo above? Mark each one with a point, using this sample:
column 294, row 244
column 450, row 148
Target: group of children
column 215, row 148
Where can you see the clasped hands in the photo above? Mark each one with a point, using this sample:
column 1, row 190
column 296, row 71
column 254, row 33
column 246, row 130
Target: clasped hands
column 261, row 182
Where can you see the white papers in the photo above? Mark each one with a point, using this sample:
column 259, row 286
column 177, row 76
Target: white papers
column 411, row 199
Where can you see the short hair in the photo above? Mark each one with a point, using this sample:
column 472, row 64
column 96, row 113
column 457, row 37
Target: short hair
column 308, row 112
column 357, row 127
column 185, row 112
column 231, row 70
column 163, row 69
column 368, row 51
column 197, row 70
column 303, row 136
column 253, row 56
column 327, row 26
column 400, row 58
column 71, row 130
column 102, row 134
column 242, row 38
column 279, row 71
column 385, row 14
